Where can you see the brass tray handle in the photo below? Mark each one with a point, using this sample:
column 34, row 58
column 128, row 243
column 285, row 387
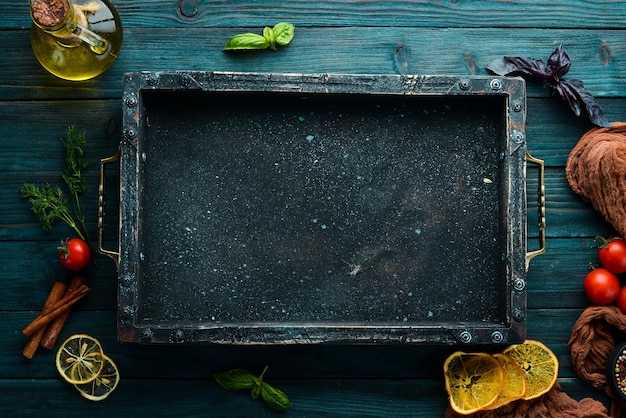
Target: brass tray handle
column 541, row 203
column 115, row 255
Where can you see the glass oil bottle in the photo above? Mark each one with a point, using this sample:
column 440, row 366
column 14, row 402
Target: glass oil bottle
column 75, row 39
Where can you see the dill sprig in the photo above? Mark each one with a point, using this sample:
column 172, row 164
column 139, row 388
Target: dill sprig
column 49, row 203
column 74, row 143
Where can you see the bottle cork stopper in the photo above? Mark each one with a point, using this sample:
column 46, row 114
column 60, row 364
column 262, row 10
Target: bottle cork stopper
column 49, row 13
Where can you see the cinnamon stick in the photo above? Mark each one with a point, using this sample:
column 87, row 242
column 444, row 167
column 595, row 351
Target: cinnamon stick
column 56, row 293
column 53, row 330
column 58, row 308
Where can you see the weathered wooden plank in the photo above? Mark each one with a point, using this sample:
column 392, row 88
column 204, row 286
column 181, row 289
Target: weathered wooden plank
column 598, row 56
column 336, row 398
column 554, row 278
column 204, row 398
column 566, row 214
column 292, row 361
column 34, row 269
column 552, row 130
column 421, row 13
column 552, row 326
column 39, row 157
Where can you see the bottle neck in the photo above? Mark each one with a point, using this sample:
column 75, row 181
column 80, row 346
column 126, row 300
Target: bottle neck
column 68, row 23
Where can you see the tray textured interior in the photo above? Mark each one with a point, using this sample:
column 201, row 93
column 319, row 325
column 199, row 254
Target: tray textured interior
column 260, row 210
column 266, row 207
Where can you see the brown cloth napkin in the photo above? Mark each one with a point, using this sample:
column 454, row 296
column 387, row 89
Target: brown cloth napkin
column 594, row 335
column 596, row 170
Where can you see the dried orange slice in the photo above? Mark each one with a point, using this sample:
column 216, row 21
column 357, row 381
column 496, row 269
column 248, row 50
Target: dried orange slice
column 539, row 364
column 103, row 385
column 514, row 386
column 473, row 381
column 80, row 359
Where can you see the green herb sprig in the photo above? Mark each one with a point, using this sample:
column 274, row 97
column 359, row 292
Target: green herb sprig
column 75, row 163
column 239, row 379
column 49, row 203
column 281, row 34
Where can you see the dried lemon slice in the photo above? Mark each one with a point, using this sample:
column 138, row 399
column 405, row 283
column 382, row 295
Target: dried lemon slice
column 473, row 381
column 514, row 386
column 80, row 359
column 539, row 364
column 103, row 385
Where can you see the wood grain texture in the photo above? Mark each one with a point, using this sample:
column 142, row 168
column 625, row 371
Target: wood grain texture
column 38, row 157
column 137, row 361
column 336, row 398
column 306, row 13
column 360, row 50
column 458, row 37
column 554, row 279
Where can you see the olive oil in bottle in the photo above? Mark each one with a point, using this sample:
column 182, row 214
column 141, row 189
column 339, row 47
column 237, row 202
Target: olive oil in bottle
column 75, row 39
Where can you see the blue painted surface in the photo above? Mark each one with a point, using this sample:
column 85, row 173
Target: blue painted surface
column 456, row 37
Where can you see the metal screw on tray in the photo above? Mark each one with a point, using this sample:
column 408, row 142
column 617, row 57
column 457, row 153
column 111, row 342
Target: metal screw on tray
column 126, row 280
column 518, row 315
column 519, row 284
column 146, row 334
column 465, row 337
column 495, row 84
column 131, row 101
column 130, row 133
column 126, row 312
column 75, row 39
column 497, row 337
column 179, row 335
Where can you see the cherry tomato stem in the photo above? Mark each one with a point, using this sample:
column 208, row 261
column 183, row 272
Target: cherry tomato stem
column 612, row 254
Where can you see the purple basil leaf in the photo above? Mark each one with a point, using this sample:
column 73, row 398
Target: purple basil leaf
column 513, row 66
column 501, row 66
column 559, row 63
column 571, row 91
column 592, row 107
column 531, row 66
column 568, row 93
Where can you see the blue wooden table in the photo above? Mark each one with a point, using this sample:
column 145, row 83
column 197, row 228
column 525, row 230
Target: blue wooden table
column 387, row 37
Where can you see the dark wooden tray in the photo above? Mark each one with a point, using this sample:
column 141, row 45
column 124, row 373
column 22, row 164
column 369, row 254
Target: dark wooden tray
column 275, row 208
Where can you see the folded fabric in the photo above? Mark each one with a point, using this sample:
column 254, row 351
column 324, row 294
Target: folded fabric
column 594, row 336
column 596, row 170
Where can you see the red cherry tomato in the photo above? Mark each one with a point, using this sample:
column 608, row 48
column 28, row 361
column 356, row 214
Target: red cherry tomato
column 74, row 254
column 621, row 300
column 601, row 286
column 612, row 255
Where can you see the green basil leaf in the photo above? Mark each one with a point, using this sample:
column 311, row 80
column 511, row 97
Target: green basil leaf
column 236, row 379
column 268, row 34
column 274, row 398
column 246, row 41
column 283, row 33
column 256, row 390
